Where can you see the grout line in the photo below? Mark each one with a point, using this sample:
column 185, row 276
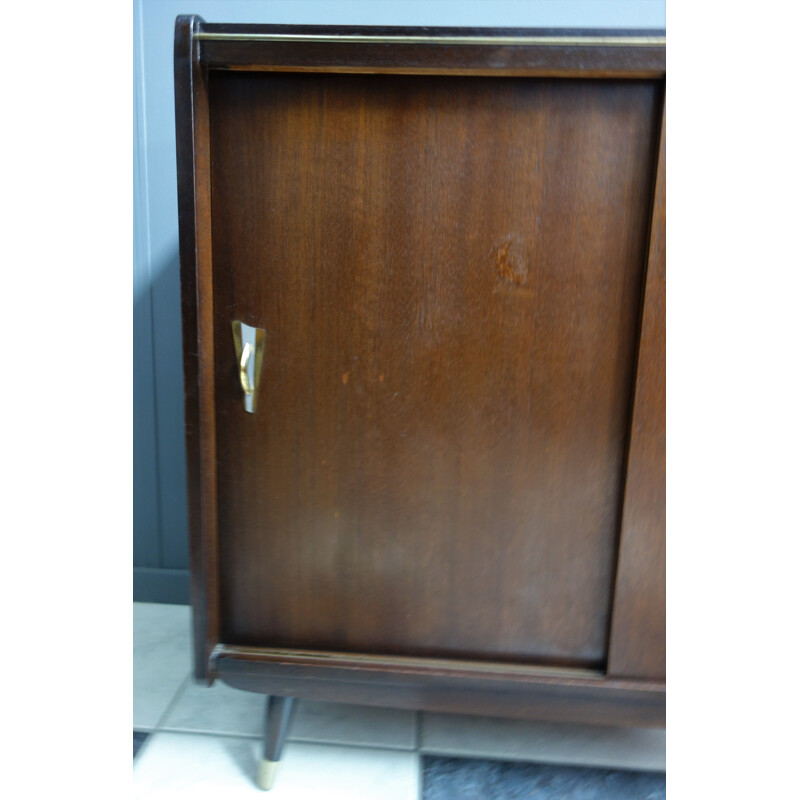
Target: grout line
column 420, row 776
column 144, row 745
column 226, row 734
column 384, row 748
column 540, row 759
column 143, row 728
column 173, row 702
column 257, row 737
column 417, row 743
column 242, row 736
column 359, row 745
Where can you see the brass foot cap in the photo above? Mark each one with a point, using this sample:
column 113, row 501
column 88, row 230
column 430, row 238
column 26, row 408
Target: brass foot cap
column 266, row 773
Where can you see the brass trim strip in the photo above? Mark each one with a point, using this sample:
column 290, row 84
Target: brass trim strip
column 416, row 663
column 330, row 38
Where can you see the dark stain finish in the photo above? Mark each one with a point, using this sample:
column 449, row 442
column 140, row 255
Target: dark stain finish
column 589, row 59
column 466, row 505
column 638, row 633
column 446, row 244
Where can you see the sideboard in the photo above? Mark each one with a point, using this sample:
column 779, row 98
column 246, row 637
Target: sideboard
column 423, row 297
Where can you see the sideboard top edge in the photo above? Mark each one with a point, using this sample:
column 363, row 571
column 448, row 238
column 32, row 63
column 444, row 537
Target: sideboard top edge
column 532, row 52
column 565, row 39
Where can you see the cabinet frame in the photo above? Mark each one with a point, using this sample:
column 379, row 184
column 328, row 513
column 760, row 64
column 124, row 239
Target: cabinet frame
column 632, row 689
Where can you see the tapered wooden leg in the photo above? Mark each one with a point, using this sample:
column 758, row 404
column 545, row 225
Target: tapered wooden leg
column 278, row 714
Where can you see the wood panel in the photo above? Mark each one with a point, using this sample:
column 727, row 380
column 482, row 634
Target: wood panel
column 449, row 273
column 638, row 634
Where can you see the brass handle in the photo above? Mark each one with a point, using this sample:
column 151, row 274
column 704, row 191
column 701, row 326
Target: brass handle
column 249, row 345
column 247, row 387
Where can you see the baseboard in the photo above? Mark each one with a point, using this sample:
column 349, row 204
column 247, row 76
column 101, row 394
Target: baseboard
column 161, row 585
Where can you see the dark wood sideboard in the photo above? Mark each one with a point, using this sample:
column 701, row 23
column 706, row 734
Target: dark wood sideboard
column 423, row 303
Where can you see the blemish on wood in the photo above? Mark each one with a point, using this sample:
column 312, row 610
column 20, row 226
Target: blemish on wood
column 510, row 265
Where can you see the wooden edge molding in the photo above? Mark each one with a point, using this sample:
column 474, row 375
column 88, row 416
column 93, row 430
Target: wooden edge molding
column 436, row 685
column 194, row 208
column 531, row 52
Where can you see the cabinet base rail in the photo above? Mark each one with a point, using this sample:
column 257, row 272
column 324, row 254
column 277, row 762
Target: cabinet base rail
column 568, row 695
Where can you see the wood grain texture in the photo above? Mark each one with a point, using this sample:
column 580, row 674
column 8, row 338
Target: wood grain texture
column 194, row 223
column 638, row 633
column 449, row 273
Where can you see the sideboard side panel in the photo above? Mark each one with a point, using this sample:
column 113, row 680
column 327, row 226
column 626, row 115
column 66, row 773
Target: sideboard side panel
column 194, row 220
column 638, row 628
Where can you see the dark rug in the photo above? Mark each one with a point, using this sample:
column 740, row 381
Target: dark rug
column 476, row 779
column 138, row 741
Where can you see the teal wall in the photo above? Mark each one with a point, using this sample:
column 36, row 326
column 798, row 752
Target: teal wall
column 160, row 544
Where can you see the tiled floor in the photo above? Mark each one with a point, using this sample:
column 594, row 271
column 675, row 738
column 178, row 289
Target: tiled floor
column 203, row 741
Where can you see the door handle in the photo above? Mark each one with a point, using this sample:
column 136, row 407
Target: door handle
column 249, row 345
column 244, row 379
